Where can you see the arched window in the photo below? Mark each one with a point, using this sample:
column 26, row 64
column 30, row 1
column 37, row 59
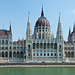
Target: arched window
column 33, row 54
column 51, row 54
column 47, row 54
column 72, row 54
column 33, row 45
column 40, row 54
column 28, row 54
column 51, row 45
column 59, row 46
column 2, row 41
column 44, row 54
column 48, row 45
column 2, row 54
column 44, row 45
column 6, row 54
column 28, row 46
column 55, row 54
column 37, row 45
column 68, row 54
column 14, row 54
column 37, row 54
column 40, row 45
column 10, row 48
column 6, row 41
column 65, row 54
column 55, row 46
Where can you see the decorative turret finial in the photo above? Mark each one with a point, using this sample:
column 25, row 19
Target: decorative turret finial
column 59, row 18
column 10, row 26
column 42, row 13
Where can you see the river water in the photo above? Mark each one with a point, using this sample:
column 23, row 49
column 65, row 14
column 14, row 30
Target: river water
column 37, row 71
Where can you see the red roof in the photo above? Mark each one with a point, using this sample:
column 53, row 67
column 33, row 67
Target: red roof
column 4, row 32
column 19, row 41
column 42, row 21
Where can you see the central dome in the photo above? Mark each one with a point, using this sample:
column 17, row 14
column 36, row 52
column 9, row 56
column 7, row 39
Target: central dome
column 42, row 21
column 42, row 28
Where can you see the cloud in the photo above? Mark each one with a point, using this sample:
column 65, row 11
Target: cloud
column 73, row 11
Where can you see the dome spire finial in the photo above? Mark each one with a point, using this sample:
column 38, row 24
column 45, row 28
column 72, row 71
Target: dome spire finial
column 42, row 13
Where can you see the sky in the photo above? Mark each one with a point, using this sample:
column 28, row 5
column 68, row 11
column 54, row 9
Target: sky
column 16, row 12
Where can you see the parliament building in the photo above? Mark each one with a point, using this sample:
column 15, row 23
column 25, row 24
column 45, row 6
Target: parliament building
column 41, row 46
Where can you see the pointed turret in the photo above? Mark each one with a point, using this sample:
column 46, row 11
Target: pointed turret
column 42, row 13
column 69, row 31
column 29, row 32
column 28, row 40
column 59, row 30
column 28, row 17
column 59, row 38
column 74, row 27
column 59, row 18
column 10, row 26
column 69, row 35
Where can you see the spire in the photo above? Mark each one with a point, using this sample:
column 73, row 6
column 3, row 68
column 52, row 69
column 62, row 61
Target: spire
column 74, row 27
column 29, row 31
column 28, row 17
column 59, row 18
column 10, row 26
column 59, row 30
column 42, row 13
column 69, row 31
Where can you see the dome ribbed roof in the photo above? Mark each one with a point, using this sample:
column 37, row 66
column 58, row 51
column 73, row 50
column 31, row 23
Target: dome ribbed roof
column 42, row 21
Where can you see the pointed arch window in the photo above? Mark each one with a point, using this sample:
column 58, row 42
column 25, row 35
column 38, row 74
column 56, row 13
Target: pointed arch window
column 59, row 46
column 28, row 46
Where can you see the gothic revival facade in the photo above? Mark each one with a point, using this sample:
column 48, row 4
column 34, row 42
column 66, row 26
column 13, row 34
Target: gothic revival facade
column 41, row 46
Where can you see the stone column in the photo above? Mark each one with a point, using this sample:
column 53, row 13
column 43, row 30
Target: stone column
column 57, row 52
column 63, row 54
column 12, row 54
column 8, row 54
column 74, row 50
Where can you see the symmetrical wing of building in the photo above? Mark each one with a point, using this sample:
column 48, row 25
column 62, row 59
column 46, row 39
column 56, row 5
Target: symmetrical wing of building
column 41, row 46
